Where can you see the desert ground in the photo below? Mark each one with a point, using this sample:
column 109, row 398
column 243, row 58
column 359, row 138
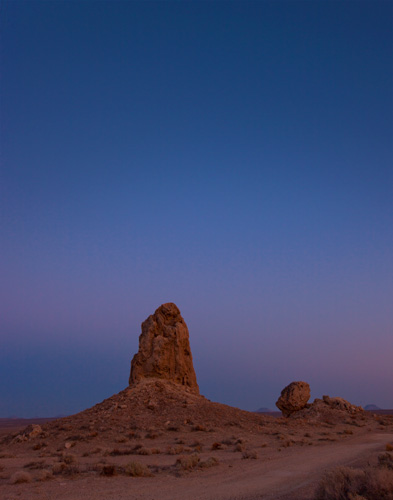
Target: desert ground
column 160, row 441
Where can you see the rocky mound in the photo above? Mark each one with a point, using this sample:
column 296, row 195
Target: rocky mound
column 164, row 350
column 327, row 408
column 294, row 397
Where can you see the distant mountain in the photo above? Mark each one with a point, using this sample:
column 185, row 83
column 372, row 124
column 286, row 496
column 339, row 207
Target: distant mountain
column 264, row 410
column 371, row 407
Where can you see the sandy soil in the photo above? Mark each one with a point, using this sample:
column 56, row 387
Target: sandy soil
column 191, row 449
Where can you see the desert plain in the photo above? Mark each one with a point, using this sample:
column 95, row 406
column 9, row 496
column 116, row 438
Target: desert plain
column 160, row 439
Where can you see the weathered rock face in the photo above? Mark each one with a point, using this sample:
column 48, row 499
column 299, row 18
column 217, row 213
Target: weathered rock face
column 164, row 349
column 294, row 397
column 340, row 404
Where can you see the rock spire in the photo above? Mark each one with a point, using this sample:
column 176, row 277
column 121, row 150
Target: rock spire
column 164, row 349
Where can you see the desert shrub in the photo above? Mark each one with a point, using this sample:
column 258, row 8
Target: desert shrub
column 44, row 475
column 144, row 451
column 65, row 469
column 20, row 476
column 69, row 458
column 174, row 450
column 340, row 484
column 152, row 434
column 199, row 428
column 378, row 484
column 389, row 447
column 188, row 462
column 385, row 460
column 136, row 469
column 345, row 483
column 40, row 464
column 108, row 470
column 173, row 428
column 58, row 468
column 210, row 462
column 125, row 451
column 38, row 446
column 250, row 454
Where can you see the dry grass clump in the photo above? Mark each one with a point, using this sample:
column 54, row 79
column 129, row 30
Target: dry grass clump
column 250, row 455
column 121, row 439
column 125, row 451
column 38, row 446
column 40, row 464
column 174, row 450
column 44, row 475
column 108, row 470
column 239, row 447
column 199, row 428
column 144, row 451
column 136, row 469
column 386, row 460
column 65, row 469
column 210, row 462
column 339, row 484
column 20, row 476
column 173, row 428
column 188, row 462
column 344, row 483
column 152, row 434
column 69, row 458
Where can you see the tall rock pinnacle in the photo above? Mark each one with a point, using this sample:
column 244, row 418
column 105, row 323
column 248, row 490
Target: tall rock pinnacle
column 164, row 349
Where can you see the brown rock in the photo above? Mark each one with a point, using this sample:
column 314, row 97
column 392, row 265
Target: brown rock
column 294, row 397
column 164, row 350
column 341, row 404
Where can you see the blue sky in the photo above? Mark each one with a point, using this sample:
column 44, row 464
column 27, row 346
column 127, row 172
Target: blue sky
column 232, row 157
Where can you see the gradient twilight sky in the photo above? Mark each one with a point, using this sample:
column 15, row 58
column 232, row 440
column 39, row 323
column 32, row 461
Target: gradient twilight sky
column 232, row 157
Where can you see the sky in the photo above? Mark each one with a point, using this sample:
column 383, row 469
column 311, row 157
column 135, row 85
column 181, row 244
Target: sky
column 235, row 158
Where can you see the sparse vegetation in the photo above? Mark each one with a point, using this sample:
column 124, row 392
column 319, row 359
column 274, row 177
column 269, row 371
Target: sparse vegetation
column 20, row 477
column 199, row 428
column 136, row 469
column 240, row 447
column 355, row 484
column 40, row 464
column 69, row 458
column 188, row 462
column 108, row 470
column 210, row 462
column 250, row 454
column 44, row 475
column 144, row 451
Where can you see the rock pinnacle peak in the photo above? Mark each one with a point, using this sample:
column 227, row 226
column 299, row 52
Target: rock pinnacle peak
column 164, row 350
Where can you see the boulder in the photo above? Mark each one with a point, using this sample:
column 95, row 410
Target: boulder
column 294, row 397
column 164, row 350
